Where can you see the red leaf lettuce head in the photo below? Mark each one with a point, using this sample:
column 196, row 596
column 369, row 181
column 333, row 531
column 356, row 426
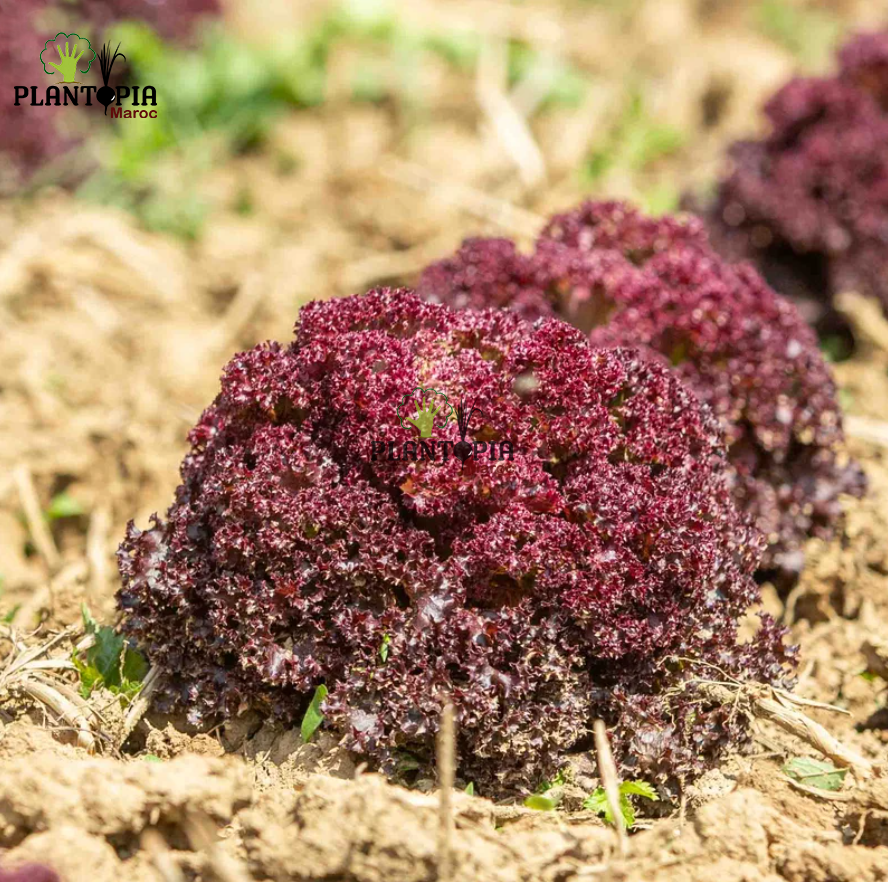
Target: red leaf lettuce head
column 30, row 137
column 596, row 572
column 28, row 873
column 809, row 201
column 630, row 280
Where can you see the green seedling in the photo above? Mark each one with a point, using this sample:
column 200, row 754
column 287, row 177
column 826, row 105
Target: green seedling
column 634, row 143
column 63, row 505
column 109, row 662
column 540, row 803
column 7, row 617
column 599, row 804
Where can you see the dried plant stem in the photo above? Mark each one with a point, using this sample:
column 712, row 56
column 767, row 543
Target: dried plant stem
column 446, row 774
column 139, row 706
column 27, row 655
column 26, row 672
column 865, row 429
column 866, row 316
column 610, row 781
column 510, row 218
column 201, row 833
column 161, row 856
column 34, row 516
column 63, row 708
column 802, row 726
column 780, row 707
column 96, row 548
column 509, row 126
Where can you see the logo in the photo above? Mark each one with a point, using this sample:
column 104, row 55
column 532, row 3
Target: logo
column 429, row 405
column 106, row 94
column 428, row 412
column 70, row 61
column 71, row 56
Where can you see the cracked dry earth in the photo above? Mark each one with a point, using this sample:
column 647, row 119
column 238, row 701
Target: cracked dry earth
column 106, row 819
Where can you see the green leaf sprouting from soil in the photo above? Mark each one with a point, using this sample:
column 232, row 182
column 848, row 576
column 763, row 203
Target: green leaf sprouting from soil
column 540, row 803
column 7, row 617
column 815, row 773
column 63, row 505
column 313, row 716
column 598, row 803
column 109, row 662
column 384, row 648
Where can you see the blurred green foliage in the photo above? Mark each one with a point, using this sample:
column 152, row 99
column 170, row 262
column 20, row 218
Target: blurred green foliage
column 810, row 34
column 662, row 198
column 7, row 616
column 635, row 141
column 63, row 505
column 221, row 98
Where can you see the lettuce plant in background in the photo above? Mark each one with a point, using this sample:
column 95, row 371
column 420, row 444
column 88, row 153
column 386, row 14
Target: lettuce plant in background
column 629, row 280
column 808, row 203
column 30, row 140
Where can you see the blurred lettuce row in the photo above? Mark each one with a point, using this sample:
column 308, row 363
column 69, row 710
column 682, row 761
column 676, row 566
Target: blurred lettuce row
column 32, row 139
column 808, row 203
column 39, row 141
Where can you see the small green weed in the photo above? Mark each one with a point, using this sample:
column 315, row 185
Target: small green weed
column 109, row 662
column 599, row 804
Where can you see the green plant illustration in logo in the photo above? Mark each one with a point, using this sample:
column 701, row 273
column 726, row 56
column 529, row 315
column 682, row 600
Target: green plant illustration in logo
column 425, row 410
column 77, row 54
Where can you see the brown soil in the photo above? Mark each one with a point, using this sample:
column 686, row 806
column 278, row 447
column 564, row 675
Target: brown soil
column 112, row 343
